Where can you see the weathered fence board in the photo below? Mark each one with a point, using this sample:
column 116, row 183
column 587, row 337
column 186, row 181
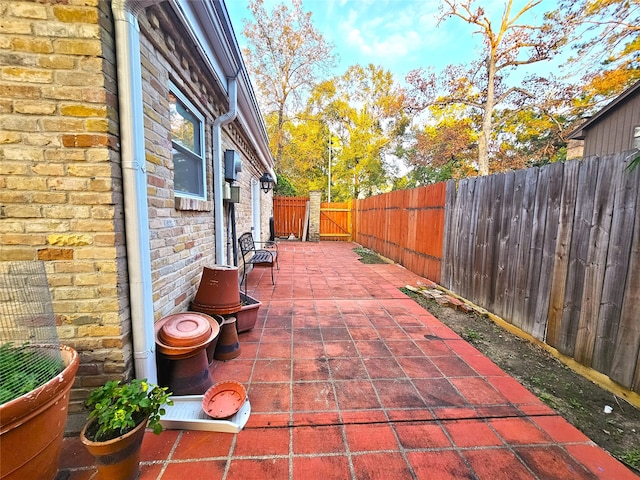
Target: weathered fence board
column 625, row 367
column 513, row 248
column 554, row 250
column 449, row 225
column 596, row 262
column 624, row 216
column 502, row 240
column 578, row 255
column 536, row 253
column 552, row 220
column 561, row 252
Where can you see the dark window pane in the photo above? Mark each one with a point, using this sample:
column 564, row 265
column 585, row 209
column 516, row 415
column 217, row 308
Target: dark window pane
column 187, row 176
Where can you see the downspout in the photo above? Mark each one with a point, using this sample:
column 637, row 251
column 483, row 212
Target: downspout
column 218, row 177
column 134, row 180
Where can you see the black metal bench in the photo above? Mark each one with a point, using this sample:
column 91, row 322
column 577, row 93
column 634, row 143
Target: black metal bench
column 257, row 257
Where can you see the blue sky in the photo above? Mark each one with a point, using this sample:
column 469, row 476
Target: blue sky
column 399, row 35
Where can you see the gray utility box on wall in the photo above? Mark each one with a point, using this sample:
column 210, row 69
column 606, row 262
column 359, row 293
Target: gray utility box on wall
column 232, row 165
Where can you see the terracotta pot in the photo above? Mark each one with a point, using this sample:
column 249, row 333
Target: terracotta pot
column 32, row 426
column 179, row 335
column 248, row 315
column 118, row 458
column 228, row 346
column 219, row 291
column 182, row 340
column 185, row 376
column 211, row 348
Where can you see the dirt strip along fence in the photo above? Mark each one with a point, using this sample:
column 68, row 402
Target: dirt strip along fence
column 406, row 226
column 555, row 251
column 289, row 215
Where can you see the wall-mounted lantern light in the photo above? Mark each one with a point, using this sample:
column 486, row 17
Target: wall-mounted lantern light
column 266, row 182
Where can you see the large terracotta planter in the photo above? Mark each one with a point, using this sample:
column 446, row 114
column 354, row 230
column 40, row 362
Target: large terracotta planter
column 248, row 315
column 118, row 458
column 32, row 426
column 218, row 292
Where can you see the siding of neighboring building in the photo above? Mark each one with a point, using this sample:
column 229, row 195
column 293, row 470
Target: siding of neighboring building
column 611, row 131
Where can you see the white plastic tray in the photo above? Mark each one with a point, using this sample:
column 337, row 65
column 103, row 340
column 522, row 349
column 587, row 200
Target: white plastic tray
column 186, row 413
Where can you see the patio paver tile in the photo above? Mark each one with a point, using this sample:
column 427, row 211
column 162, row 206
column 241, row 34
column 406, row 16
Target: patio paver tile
column 494, row 463
column 321, row 468
column 348, row 378
column 381, row 466
column 318, row 439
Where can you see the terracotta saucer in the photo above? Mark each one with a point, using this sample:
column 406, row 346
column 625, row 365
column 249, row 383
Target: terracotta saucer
column 224, row 399
column 185, row 329
column 188, row 350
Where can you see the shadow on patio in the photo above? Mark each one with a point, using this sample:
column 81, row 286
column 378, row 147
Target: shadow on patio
column 350, row 379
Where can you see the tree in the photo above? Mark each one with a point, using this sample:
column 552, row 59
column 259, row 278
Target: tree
column 446, row 146
column 363, row 110
column 483, row 85
column 606, row 40
column 286, row 53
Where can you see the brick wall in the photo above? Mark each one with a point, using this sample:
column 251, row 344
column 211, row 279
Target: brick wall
column 60, row 188
column 60, row 175
column 182, row 232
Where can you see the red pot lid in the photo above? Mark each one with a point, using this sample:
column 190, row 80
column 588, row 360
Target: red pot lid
column 224, row 399
column 194, row 346
column 185, row 329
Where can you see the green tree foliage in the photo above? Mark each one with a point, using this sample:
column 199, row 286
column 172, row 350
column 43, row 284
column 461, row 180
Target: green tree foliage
column 446, row 147
column 606, row 41
column 362, row 110
column 484, row 116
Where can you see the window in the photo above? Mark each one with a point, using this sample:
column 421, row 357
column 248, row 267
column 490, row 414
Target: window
column 187, row 140
column 636, row 138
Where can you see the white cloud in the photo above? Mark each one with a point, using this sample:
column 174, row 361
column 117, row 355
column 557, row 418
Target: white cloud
column 391, row 34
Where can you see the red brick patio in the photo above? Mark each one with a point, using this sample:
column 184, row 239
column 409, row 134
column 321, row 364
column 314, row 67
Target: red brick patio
column 350, row 379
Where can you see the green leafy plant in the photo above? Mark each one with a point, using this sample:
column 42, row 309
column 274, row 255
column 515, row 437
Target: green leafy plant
column 119, row 407
column 23, row 369
column 631, row 457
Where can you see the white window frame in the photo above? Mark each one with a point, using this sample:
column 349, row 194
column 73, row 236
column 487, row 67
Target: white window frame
column 196, row 155
column 636, row 137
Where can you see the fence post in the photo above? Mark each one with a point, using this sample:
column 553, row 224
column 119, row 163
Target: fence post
column 314, row 216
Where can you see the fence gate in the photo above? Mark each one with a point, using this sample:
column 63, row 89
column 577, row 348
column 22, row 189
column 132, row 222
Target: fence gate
column 335, row 221
column 289, row 214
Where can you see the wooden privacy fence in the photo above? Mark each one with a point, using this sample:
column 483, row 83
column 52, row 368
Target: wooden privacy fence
column 555, row 251
column 289, row 214
column 406, row 226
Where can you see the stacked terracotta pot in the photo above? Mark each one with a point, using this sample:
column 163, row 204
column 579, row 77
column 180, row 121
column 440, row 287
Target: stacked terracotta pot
column 182, row 340
column 219, row 294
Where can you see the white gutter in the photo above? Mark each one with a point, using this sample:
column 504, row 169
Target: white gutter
column 135, row 186
column 218, row 177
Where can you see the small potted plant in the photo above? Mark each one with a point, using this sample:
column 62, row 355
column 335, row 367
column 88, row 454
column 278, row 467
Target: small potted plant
column 119, row 414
